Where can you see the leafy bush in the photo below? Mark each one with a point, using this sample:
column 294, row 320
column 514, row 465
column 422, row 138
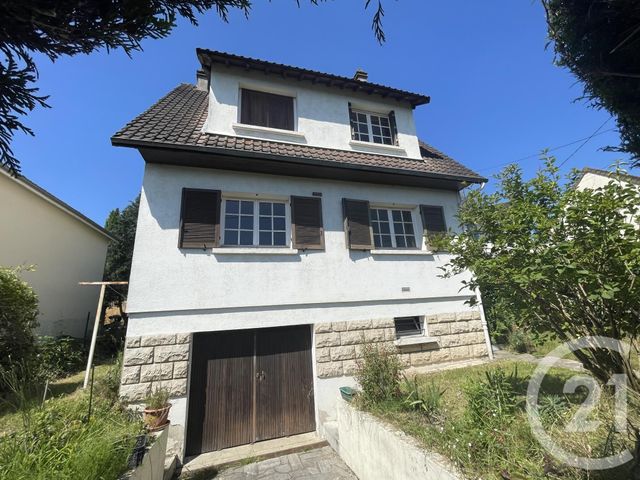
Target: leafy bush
column 111, row 337
column 58, row 443
column 379, row 374
column 59, row 356
column 426, row 398
column 18, row 318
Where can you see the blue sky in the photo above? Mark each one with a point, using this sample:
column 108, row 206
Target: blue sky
column 496, row 96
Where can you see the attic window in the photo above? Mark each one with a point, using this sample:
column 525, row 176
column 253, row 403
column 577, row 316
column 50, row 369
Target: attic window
column 407, row 326
column 371, row 127
column 266, row 109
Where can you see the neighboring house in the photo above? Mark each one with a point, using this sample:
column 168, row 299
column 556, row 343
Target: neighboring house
column 63, row 245
column 281, row 227
column 595, row 178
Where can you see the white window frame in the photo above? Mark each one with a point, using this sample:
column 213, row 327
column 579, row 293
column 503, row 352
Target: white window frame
column 256, row 199
column 370, row 129
column 418, row 239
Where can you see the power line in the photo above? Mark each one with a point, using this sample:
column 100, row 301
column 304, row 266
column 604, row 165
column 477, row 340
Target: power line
column 585, row 142
column 534, row 155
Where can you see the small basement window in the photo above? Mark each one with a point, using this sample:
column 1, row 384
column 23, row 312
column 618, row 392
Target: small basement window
column 408, row 326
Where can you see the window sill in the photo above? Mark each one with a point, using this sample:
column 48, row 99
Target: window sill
column 380, row 147
column 400, row 251
column 254, row 251
column 415, row 340
column 268, row 132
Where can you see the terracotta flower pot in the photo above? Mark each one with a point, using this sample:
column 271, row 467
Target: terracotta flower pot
column 156, row 418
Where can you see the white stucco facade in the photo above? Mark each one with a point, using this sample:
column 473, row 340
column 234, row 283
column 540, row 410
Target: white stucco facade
column 63, row 248
column 193, row 287
column 321, row 114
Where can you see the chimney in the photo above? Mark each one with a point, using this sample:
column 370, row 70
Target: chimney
column 202, row 80
column 361, row 76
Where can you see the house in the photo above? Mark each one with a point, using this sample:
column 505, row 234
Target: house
column 281, row 227
column 63, row 245
column 595, row 178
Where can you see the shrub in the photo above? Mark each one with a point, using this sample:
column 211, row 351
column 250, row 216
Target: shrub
column 379, row 374
column 59, row 356
column 18, row 318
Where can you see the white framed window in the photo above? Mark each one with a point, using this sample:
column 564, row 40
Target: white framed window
column 392, row 227
column 409, row 326
column 255, row 223
column 371, row 127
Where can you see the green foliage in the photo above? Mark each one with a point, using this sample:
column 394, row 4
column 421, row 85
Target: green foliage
column 157, row 399
column 425, row 398
column 520, row 340
column 567, row 261
column 108, row 386
column 18, row 318
column 598, row 40
column 60, row 356
column 491, row 400
column 58, row 443
column 378, row 374
column 67, row 27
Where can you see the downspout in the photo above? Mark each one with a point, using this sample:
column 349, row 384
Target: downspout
column 483, row 318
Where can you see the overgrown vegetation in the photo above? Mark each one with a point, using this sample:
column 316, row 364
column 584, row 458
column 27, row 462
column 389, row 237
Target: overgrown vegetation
column 480, row 423
column 57, row 438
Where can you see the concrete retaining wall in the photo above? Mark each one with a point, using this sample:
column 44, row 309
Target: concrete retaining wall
column 152, row 466
column 375, row 450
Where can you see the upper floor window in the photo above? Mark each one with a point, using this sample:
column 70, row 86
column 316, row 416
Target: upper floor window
column 254, row 223
column 266, row 109
column 371, row 127
column 392, row 228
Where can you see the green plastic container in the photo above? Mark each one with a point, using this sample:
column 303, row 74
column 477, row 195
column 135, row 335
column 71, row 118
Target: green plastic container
column 347, row 393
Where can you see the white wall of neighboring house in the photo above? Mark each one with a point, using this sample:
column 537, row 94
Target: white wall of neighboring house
column 223, row 288
column 64, row 250
column 593, row 181
column 321, row 114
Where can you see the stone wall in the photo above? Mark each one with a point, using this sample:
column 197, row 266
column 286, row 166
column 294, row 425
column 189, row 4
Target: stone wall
column 339, row 344
column 155, row 361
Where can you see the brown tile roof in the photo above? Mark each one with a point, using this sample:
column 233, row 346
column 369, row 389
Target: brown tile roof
column 177, row 119
column 209, row 57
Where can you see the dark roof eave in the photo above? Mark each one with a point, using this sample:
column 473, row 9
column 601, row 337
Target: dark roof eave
column 118, row 142
column 207, row 57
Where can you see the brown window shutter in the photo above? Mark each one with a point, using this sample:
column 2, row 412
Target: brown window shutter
column 199, row 218
column 306, row 223
column 433, row 219
column 394, row 127
column 356, row 221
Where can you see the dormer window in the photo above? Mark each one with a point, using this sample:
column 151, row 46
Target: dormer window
column 372, row 127
column 266, row 109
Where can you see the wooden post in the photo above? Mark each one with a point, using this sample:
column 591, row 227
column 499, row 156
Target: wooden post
column 94, row 335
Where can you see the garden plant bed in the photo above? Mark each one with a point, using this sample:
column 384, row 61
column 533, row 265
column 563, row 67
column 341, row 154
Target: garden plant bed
column 57, row 440
column 493, row 440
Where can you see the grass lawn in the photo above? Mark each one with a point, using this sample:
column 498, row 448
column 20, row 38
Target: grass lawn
column 55, row 439
column 497, row 443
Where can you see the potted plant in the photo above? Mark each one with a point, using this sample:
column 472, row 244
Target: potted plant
column 156, row 410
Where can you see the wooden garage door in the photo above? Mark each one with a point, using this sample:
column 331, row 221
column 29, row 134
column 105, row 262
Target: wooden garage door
column 249, row 385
